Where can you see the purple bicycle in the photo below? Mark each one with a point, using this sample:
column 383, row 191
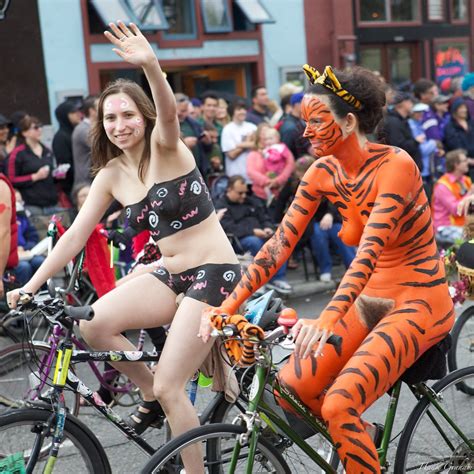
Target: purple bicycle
column 26, row 371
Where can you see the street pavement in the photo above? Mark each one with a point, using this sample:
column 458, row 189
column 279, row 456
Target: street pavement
column 125, row 457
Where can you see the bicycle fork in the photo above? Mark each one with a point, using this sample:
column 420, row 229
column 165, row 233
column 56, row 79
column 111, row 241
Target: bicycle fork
column 60, row 413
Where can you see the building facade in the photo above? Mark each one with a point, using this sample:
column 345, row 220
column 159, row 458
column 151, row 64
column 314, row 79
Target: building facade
column 223, row 45
column 402, row 39
column 55, row 49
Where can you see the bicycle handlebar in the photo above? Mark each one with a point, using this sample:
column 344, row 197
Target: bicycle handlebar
column 56, row 310
column 237, row 326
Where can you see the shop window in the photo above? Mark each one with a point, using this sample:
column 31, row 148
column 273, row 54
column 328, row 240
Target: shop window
column 389, row 10
column 435, row 10
column 181, row 18
column 215, row 15
column 147, row 14
column 459, row 10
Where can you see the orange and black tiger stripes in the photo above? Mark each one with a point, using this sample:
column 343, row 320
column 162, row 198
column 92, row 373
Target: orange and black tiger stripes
column 392, row 303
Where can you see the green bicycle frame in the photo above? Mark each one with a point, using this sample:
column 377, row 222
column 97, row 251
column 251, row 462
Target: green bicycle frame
column 258, row 405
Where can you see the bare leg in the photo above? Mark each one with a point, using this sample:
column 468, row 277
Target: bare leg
column 182, row 355
column 137, row 272
column 143, row 302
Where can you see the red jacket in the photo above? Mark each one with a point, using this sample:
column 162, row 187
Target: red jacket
column 12, row 261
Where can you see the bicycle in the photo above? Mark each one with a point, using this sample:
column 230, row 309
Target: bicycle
column 20, row 384
column 462, row 350
column 433, row 438
column 36, row 432
column 39, row 425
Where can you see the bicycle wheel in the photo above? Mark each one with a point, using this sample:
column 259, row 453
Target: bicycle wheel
column 220, row 440
column 462, row 349
column 294, row 457
column 20, row 375
column 428, row 443
column 80, row 450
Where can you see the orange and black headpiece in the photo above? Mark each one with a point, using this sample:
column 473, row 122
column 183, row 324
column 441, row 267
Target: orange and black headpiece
column 329, row 80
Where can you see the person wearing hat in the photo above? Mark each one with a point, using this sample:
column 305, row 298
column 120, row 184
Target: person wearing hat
column 428, row 147
column 68, row 114
column 396, row 130
column 292, row 128
column 459, row 132
column 467, row 87
column 437, row 117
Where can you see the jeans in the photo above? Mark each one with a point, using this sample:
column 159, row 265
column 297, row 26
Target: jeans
column 26, row 269
column 253, row 244
column 320, row 245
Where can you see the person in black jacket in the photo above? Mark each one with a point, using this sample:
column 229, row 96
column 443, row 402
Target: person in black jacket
column 30, row 167
column 459, row 132
column 396, row 131
column 68, row 115
column 247, row 219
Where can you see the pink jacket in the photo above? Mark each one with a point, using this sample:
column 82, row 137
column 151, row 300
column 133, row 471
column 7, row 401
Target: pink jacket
column 257, row 173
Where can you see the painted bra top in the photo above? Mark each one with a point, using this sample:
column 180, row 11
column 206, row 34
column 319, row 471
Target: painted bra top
column 171, row 206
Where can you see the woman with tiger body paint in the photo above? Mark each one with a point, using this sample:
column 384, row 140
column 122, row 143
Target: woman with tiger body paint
column 393, row 302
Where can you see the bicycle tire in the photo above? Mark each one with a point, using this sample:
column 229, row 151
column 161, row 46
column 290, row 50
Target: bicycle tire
column 162, row 460
column 294, row 457
column 419, row 431
column 15, row 370
column 16, row 431
column 460, row 342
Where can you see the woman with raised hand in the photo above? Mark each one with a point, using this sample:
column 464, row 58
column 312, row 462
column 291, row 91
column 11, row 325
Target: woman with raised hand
column 140, row 161
column 393, row 302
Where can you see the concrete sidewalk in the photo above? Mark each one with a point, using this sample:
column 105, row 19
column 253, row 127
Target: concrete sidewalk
column 311, row 286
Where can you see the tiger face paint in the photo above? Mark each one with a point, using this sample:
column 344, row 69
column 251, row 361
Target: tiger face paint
column 123, row 122
column 322, row 128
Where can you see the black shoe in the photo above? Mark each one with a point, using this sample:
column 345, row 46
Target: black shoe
column 140, row 420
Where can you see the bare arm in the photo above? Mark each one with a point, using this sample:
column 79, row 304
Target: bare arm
column 134, row 48
column 5, row 236
column 75, row 238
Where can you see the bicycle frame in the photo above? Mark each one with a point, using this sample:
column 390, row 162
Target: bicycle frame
column 257, row 407
column 46, row 363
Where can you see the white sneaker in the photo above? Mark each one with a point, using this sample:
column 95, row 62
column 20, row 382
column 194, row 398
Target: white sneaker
column 281, row 286
column 325, row 277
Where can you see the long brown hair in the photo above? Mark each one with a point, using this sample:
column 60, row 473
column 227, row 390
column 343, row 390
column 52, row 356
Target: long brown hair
column 102, row 149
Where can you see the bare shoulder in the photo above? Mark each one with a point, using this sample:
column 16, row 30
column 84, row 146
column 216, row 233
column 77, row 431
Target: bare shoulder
column 5, row 192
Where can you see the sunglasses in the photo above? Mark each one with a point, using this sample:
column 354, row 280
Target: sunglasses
column 37, row 126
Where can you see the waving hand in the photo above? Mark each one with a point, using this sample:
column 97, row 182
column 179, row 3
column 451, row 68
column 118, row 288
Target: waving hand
column 130, row 44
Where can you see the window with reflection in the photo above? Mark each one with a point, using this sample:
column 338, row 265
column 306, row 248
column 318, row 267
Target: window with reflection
column 180, row 17
column 459, row 9
column 389, row 10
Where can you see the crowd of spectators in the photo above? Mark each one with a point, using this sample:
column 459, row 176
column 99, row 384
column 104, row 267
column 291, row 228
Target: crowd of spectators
column 252, row 153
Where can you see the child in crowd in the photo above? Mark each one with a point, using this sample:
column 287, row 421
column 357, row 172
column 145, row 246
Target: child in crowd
column 270, row 165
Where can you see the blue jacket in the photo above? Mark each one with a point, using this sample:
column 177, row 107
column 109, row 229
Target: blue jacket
column 27, row 234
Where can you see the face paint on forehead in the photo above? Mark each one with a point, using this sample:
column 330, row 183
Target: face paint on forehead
column 117, row 103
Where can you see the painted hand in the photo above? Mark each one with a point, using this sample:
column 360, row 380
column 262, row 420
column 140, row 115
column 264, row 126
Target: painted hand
column 307, row 333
